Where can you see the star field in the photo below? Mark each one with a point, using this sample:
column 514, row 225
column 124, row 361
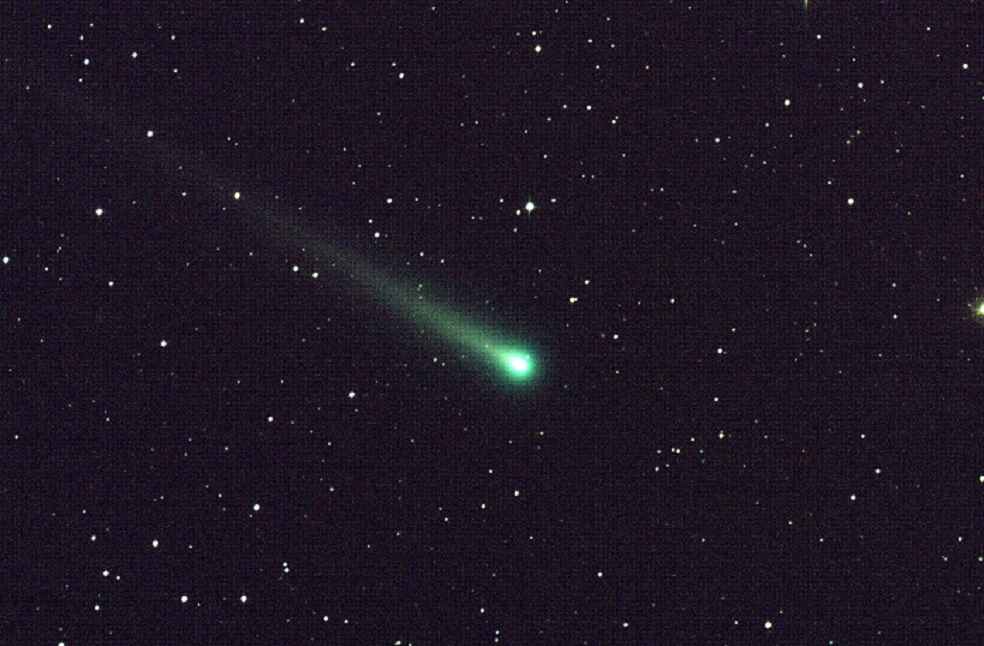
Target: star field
column 492, row 323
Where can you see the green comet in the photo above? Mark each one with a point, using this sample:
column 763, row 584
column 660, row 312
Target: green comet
column 513, row 360
column 300, row 238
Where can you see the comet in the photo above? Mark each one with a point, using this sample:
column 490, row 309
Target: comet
column 514, row 361
column 476, row 341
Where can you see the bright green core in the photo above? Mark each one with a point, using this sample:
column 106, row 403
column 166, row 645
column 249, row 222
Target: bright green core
column 519, row 364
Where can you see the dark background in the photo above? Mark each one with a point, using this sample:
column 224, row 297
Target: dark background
column 712, row 490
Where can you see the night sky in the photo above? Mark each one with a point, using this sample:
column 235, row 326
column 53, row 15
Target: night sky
column 466, row 323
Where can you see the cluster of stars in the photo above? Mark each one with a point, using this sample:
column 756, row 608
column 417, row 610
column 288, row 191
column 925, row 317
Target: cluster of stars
column 516, row 364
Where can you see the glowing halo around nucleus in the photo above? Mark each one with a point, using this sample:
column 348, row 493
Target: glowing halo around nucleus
column 518, row 364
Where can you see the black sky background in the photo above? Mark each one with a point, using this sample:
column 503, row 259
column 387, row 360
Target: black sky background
column 712, row 490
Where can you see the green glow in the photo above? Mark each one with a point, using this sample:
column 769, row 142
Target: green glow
column 977, row 310
column 311, row 246
column 519, row 364
column 474, row 339
column 512, row 359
